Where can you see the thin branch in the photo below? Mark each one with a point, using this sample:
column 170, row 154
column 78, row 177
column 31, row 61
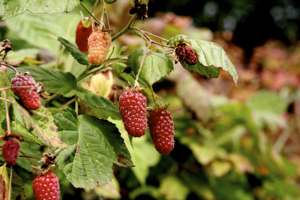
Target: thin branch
column 126, row 29
column 91, row 14
column 68, row 103
column 28, row 158
column 156, row 36
column 7, row 65
column 142, row 62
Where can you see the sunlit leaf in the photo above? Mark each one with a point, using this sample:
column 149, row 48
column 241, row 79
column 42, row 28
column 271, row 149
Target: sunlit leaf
column 42, row 123
column 75, row 52
column 13, row 8
column 155, row 66
column 97, row 105
column 95, row 145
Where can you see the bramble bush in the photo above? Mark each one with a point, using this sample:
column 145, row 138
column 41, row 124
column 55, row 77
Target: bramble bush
column 82, row 62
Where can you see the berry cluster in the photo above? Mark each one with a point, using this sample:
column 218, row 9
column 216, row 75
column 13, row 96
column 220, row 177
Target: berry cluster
column 133, row 111
column 99, row 43
column 24, row 86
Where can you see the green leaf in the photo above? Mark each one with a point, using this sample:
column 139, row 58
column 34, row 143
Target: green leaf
column 110, row 1
column 172, row 188
column 29, row 149
column 193, row 95
column 97, row 105
column 110, row 190
column 90, row 158
column 17, row 185
column 53, row 81
column 268, row 101
column 42, row 123
column 75, row 52
column 13, row 8
column 130, row 77
column 17, row 57
column 36, row 29
column 176, row 39
column 156, row 65
column 211, row 57
column 18, row 128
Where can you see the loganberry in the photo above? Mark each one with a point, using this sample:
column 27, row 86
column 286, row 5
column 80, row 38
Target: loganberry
column 46, row 187
column 29, row 97
column 186, row 54
column 83, row 31
column 10, row 151
column 133, row 111
column 161, row 127
column 99, row 43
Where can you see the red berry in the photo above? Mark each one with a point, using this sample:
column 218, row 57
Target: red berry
column 82, row 35
column 29, row 97
column 10, row 151
column 46, row 187
column 186, row 54
column 99, row 43
column 161, row 127
column 133, row 111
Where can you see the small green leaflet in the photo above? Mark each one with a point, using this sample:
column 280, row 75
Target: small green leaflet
column 18, row 128
column 42, row 123
column 211, row 57
column 95, row 145
column 75, row 52
column 176, row 39
column 53, row 81
column 97, row 105
column 156, row 65
column 17, row 57
column 13, row 8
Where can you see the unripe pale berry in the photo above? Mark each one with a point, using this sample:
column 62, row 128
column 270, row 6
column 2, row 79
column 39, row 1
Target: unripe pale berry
column 99, row 43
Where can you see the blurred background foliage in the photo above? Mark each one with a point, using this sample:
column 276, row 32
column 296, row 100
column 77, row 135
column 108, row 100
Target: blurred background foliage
column 232, row 143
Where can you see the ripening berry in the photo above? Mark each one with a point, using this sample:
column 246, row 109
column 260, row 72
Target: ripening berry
column 161, row 127
column 99, row 43
column 46, row 187
column 82, row 35
column 10, row 151
column 29, row 97
column 187, row 54
column 133, row 111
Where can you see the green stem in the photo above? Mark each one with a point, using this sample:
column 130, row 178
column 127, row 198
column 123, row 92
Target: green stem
column 47, row 102
column 126, row 29
column 95, row 4
column 29, row 158
column 106, row 15
column 10, row 182
column 7, row 113
column 76, row 106
column 152, row 92
column 91, row 14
